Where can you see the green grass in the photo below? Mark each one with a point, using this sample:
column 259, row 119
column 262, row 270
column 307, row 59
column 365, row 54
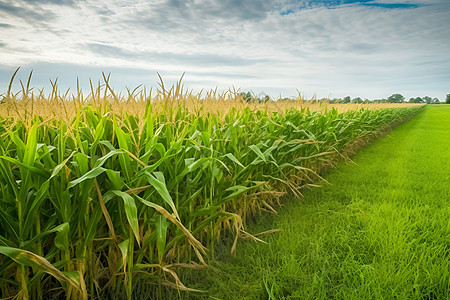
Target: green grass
column 381, row 231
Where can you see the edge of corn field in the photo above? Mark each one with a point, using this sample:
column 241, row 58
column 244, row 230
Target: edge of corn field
column 105, row 199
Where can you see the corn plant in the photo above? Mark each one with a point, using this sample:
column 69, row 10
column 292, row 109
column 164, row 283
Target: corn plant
column 93, row 203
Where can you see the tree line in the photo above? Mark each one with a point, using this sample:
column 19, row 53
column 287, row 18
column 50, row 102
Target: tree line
column 394, row 98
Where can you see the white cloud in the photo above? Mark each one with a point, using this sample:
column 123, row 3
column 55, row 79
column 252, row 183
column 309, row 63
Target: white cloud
column 354, row 49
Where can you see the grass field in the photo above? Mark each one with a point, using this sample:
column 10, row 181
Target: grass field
column 105, row 196
column 380, row 231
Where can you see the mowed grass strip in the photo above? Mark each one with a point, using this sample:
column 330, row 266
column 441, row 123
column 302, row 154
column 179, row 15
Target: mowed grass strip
column 381, row 231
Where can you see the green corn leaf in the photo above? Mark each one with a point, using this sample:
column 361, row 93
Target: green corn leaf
column 9, row 225
column 130, row 209
column 159, row 183
column 83, row 162
column 66, row 205
column 59, row 167
column 42, row 172
column 101, row 161
column 74, row 275
column 116, row 180
column 108, row 145
column 217, row 173
column 99, row 131
column 92, row 228
column 204, row 211
column 20, row 145
column 62, row 237
column 124, row 159
column 123, row 246
column 59, row 243
column 31, row 146
column 5, row 242
column 30, row 215
column 5, row 171
column 258, row 152
column 234, row 159
column 192, row 166
column 148, row 127
column 92, row 174
column 161, row 233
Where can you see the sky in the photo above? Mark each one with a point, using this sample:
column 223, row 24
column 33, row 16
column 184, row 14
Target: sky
column 369, row 49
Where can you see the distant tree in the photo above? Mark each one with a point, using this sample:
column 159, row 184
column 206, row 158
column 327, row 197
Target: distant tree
column 416, row 100
column 447, row 99
column 246, row 96
column 428, row 99
column 357, row 100
column 396, row 98
column 334, row 100
column 347, row 99
column 436, row 101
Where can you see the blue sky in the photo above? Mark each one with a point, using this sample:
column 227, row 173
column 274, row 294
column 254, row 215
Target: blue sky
column 369, row 49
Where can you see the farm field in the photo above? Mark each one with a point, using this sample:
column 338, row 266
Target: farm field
column 380, row 231
column 208, row 149
column 110, row 196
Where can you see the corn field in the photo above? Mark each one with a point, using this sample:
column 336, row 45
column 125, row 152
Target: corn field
column 100, row 192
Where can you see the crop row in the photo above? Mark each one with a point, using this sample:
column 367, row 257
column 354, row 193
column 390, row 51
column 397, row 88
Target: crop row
column 90, row 207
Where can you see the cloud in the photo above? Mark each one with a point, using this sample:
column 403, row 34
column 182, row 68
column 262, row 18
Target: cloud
column 23, row 12
column 226, row 9
column 198, row 59
column 391, row 5
column 370, row 48
column 290, row 7
column 56, row 2
column 373, row 3
column 197, row 17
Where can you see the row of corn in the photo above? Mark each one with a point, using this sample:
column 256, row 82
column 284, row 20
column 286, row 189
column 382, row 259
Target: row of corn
column 91, row 206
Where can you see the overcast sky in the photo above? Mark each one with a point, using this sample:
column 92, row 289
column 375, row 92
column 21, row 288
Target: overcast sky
column 369, row 48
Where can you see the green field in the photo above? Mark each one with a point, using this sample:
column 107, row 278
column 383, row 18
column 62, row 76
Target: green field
column 381, row 231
